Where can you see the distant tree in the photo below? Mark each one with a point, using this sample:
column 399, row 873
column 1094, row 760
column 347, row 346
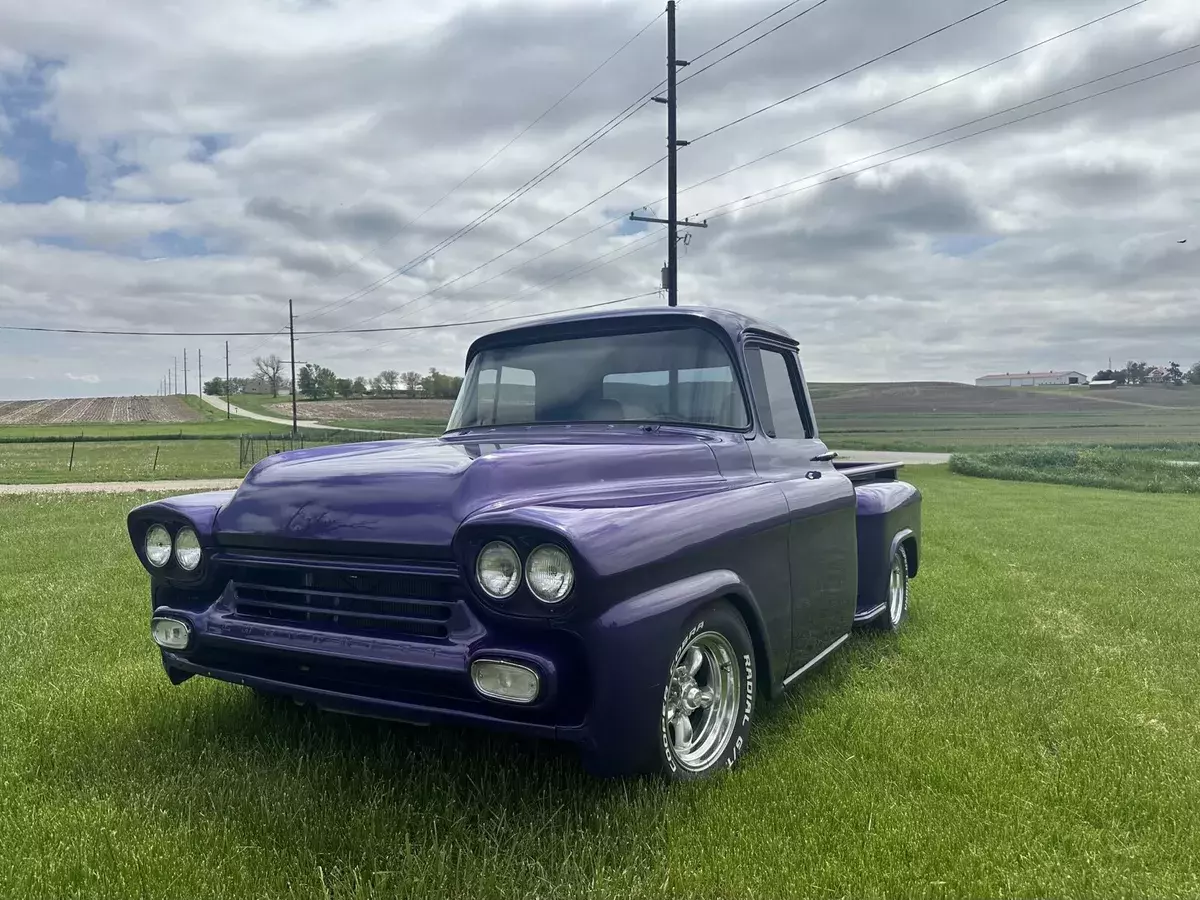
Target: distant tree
column 270, row 368
column 306, row 382
column 388, row 380
column 1174, row 374
column 327, row 382
column 1193, row 375
column 377, row 386
column 345, row 388
column 1136, row 372
column 440, row 385
column 411, row 381
column 359, row 386
column 1117, row 375
column 215, row 387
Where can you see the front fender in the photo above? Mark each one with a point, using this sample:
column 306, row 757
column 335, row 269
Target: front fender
column 629, row 647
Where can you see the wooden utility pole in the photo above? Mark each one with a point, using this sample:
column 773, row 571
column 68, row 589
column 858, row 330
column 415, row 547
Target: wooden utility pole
column 227, row 379
column 670, row 277
column 199, row 373
column 176, row 390
column 185, row 383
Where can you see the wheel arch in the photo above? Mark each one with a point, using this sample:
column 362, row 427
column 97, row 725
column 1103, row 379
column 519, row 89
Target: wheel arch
column 907, row 539
column 757, row 630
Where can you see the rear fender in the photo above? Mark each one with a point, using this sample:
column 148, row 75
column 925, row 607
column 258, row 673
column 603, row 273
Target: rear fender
column 888, row 516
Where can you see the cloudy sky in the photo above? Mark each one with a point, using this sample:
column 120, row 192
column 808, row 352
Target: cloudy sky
column 190, row 166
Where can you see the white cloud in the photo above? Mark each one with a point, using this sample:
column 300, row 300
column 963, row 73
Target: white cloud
column 241, row 155
column 87, row 379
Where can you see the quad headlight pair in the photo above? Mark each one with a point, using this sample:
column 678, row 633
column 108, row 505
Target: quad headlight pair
column 185, row 545
column 548, row 572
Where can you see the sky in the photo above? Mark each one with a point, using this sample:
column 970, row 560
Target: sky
column 193, row 166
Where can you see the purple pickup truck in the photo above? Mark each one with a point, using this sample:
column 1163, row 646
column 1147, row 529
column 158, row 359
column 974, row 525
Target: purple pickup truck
column 629, row 536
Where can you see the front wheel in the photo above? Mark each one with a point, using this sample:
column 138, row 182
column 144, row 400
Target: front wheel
column 708, row 702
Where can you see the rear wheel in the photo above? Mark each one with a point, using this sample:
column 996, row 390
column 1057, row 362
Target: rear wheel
column 896, row 611
column 708, row 702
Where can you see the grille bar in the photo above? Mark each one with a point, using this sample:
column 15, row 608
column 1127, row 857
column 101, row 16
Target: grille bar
column 414, row 609
column 396, row 600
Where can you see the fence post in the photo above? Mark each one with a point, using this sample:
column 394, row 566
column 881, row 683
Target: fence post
column 71, row 464
column 154, row 468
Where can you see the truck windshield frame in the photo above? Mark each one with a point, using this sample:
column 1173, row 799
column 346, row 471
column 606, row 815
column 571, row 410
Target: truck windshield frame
column 679, row 375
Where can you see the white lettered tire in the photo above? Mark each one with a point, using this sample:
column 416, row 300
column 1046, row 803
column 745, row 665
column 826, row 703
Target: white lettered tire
column 709, row 698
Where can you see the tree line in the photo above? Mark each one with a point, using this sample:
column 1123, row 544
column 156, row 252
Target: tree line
column 1144, row 373
column 316, row 382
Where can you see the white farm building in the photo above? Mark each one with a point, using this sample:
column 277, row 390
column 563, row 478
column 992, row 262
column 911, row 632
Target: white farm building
column 1031, row 379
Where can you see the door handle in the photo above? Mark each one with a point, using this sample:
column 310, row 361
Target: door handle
column 825, row 457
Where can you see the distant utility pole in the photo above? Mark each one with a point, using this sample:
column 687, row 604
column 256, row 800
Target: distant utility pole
column 199, row 373
column 670, row 276
column 227, row 379
column 185, row 388
column 292, row 338
column 176, row 358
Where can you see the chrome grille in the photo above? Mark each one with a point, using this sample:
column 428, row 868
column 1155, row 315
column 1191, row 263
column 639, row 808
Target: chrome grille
column 360, row 600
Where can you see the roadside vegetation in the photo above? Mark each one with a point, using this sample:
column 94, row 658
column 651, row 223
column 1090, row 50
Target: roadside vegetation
column 1155, row 470
column 1031, row 733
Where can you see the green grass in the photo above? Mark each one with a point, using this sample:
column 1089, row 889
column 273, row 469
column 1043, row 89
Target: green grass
column 955, row 432
column 1128, row 470
column 1033, row 732
column 46, row 463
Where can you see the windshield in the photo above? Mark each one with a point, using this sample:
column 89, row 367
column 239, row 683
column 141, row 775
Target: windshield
column 678, row 375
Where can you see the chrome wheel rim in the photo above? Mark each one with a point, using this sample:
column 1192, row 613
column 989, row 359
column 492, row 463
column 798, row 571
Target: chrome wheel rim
column 702, row 701
column 896, row 591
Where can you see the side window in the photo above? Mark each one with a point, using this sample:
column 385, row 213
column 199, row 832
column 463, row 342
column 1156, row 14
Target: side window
column 776, row 393
column 507, row 399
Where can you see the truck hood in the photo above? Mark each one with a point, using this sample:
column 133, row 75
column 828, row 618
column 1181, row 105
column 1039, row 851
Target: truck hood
column 416, row 493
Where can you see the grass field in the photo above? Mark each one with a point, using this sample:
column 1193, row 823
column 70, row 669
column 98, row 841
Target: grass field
column 1175, row 471
column 1033, row 732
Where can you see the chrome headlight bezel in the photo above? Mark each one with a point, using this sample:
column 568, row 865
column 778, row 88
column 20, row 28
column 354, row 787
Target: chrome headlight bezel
column 151, row 555
column 550, row 597
column 194, row 553
column 504, row 549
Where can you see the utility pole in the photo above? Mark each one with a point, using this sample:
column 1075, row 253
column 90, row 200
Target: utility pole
column 292, row 338
column 199, row 372
column 227, row 379
column 176, row 391
column 185, row 388
column 670, row 276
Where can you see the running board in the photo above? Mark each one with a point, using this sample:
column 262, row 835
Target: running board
column 870, row 613
column 816, row 659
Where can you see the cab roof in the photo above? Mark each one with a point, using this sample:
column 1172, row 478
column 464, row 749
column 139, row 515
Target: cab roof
column 734, row 324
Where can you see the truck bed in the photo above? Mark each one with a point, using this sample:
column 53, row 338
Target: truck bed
column 866, row 473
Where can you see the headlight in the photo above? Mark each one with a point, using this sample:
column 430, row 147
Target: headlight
column 158, row 546
column 187, row 549
column 550, row 573
column 498, row 570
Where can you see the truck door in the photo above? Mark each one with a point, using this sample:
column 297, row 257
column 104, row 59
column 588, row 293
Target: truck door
column 822, row 540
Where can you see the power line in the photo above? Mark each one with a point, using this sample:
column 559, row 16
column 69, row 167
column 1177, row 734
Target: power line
column 569, row 275
column 380, row 330
column 913, row 96
column 585, row 144
column 523, row 243
column 716, row 215
column 499, row 152
column 748, row 28
column 850, row 71
column 737, row 50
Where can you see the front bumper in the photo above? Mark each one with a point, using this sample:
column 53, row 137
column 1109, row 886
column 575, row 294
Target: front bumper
column 415, row 681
